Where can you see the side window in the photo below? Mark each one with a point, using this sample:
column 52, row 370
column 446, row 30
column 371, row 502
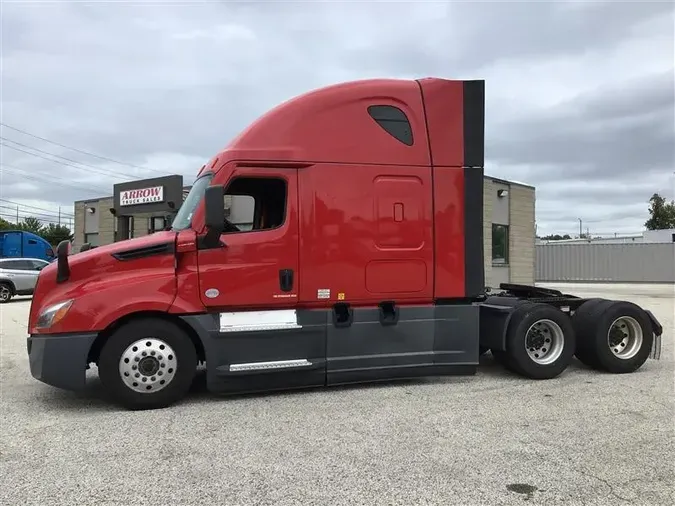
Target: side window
column 255, row 203
column 394, row 121
column 19, row 265
column 38, row 266
column 12, row 265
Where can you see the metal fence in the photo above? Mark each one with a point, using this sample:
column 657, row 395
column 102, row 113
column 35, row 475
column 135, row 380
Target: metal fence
column 609, row 263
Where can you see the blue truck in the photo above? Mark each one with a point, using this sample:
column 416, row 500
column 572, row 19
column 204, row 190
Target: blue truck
column 22, row 244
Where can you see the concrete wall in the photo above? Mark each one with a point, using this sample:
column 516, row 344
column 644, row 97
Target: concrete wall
column 487, row 230
column 106, row 222
column 616, row 263
column 522, row 228
column 100, row 222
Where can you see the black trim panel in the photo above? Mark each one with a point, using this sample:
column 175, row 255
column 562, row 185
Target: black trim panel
column 167, row 248
column 424, row 341
column 223, row 349
column 474, row 270
column 474, row 123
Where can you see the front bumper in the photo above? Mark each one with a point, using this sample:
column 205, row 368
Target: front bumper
column 60, row 360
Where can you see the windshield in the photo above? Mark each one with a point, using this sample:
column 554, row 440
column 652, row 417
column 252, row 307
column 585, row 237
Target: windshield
column 183, row 217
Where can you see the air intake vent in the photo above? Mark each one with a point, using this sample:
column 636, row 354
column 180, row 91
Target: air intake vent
column 146, row 251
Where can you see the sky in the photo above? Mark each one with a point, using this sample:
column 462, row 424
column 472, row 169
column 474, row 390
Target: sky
column 580, row 96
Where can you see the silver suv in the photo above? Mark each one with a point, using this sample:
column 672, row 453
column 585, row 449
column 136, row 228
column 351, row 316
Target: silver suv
column 18, row 276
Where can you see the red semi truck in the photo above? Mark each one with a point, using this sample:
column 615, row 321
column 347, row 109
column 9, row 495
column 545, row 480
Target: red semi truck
column 365, row 262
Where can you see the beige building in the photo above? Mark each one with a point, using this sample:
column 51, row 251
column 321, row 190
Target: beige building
column 508, row 227
column 508, row 232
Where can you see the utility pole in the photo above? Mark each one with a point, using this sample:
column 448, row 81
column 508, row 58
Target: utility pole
column 581, row 233
column 59, row 216
column 17, row 215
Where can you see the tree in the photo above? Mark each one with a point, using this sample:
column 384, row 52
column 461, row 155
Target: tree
column 556, row 237
column 661, row 213
column 6, row 225
column 54, row 234
column 31, row 224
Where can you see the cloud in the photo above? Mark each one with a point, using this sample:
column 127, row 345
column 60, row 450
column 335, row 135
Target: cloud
column 579, row 94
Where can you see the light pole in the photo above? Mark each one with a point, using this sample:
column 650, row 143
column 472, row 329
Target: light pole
column 580, row 228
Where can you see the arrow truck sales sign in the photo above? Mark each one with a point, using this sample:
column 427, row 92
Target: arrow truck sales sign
column 142, row 196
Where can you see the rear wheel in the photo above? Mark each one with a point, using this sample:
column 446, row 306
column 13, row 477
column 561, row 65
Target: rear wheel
column 147, row 364
column 540, row 341
column 615, row 337
column 5, row 292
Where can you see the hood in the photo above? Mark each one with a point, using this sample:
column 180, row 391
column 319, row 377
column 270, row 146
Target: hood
column 110, row 272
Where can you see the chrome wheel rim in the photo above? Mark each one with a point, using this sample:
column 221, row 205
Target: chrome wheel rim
column 4, row 293
column 625, row 337
column 148, row 365
column 544, row 342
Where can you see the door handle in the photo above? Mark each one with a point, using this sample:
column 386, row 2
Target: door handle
column 286, row 280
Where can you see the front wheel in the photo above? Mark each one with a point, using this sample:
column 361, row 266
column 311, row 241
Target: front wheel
column 147, row 364
column 5, row 293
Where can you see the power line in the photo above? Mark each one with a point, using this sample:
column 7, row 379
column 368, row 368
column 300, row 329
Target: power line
column 9, row 217
column 22, row 173
column 59, row 156
column 32, row 214
column 79, row 150
column 98, row 171
column 26, row 205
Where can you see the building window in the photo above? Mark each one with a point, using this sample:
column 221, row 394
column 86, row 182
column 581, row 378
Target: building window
column 394, row 121
column 500, row 244
column 156, row 224
column 91, row 239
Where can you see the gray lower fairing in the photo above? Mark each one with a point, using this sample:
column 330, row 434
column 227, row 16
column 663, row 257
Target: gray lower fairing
column 271, row 350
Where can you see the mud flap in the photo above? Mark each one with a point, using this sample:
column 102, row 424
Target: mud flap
column 655, row 354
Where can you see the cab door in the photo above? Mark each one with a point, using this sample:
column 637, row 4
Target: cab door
column 250, row 285
column 258, row 265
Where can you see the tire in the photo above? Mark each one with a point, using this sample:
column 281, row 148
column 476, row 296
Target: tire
column 6, row 293
column 623, row 323
column 501, row 356
column 580, row 321
column 171, row 355
column 540, row 341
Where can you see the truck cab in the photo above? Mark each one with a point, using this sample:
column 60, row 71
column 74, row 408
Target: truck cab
column 24, row 244
column 364, row 260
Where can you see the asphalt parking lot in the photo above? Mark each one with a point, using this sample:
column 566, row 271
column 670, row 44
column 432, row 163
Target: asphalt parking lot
column 585, row 438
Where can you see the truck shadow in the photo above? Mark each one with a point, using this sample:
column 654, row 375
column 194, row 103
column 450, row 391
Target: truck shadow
column 94, row 398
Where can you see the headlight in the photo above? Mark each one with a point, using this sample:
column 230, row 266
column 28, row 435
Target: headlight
column 53, row 314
